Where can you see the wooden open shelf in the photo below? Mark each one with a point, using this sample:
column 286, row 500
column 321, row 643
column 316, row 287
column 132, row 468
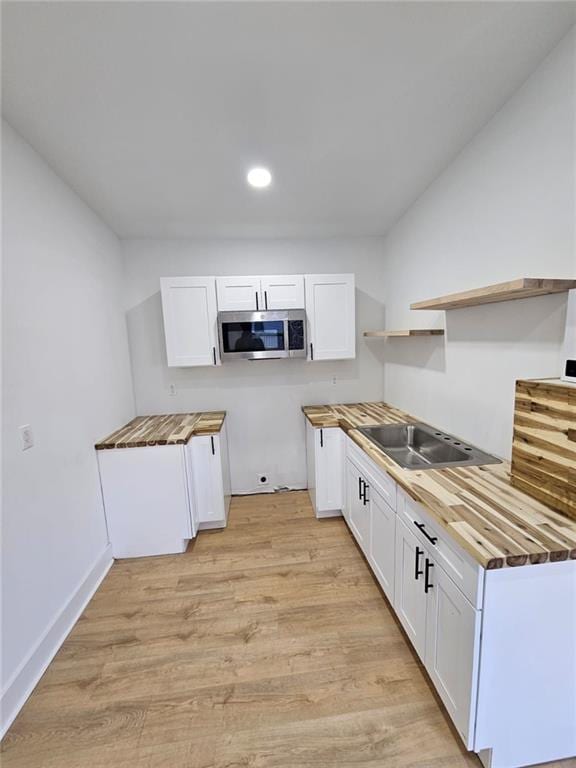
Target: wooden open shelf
column 405, row 334
column 522, row 288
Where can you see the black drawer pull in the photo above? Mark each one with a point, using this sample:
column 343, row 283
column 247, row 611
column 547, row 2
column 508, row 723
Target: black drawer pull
column 321, row 438
column 427, row 585
column 422, row 527
column 365, row 498
column 360, row 488
column 213, row 447
column 417, row 570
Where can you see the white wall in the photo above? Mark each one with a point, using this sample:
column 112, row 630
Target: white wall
column 263, row 399
column 504, row 209
column 66, row 372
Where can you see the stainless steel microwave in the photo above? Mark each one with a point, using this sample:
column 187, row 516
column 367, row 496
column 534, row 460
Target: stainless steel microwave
column 262, row 335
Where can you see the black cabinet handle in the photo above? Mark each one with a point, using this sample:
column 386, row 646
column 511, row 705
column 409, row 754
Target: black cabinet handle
column 311, row 351
column 365, row 498
column 417, row 570
column 321, row 438
column 214, row 354
column 266, row 299
column 257, row 307
column 213, row 448
column 427, row 585
column 422, row 527
column 360, row 488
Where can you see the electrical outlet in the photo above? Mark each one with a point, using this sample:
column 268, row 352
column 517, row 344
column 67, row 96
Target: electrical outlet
column 263, row 479
column 26, row 437
column 172, row 390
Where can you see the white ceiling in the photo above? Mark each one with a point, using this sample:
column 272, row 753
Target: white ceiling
column 153, row 111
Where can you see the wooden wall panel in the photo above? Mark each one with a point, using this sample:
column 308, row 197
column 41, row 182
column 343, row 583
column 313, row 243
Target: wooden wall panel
column 544, row 443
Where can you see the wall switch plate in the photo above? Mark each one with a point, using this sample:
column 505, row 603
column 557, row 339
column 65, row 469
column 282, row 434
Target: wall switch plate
column 172, row 390
column 26, row 437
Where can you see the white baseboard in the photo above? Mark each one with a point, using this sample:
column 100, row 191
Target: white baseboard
column 26, row 677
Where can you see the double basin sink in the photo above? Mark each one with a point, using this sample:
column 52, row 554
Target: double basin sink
column 419, row 446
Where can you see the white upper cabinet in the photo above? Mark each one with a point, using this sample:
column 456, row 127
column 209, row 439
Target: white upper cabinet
column 283, row 291
column 191, row 305
column 190, row 315
column 331, row 311
column 237, row 294
column 253, row 293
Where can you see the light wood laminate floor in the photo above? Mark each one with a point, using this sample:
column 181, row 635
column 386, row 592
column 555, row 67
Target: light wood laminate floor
column 266, row 645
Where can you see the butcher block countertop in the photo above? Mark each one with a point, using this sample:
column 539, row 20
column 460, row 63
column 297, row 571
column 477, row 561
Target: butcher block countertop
column 497, row 524
column 169, row 429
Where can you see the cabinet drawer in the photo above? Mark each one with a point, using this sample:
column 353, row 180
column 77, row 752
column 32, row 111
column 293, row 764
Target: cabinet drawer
column 375, row 476
column 467, row 575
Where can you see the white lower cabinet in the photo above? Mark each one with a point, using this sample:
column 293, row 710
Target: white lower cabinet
column 146, row 500
column 517, row 708
column 382, row 548
column 325, row 459
column 452, row 650
column 409, row 561
column 358, row 506
column 211, row 479
column 156, row 498
column 442, row 625
column 409, row 596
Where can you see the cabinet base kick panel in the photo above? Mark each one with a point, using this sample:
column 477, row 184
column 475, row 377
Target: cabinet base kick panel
column 328, row 513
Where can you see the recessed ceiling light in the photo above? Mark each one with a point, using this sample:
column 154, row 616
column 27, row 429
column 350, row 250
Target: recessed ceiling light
column 259, row 177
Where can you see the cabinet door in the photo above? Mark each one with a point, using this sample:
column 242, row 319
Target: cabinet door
column 189, row 309
column 349, row 490
column 452, row 645
column 283, row 291
column 208, row 481
column 410, row 600
column 238, row 293
column 328, row 451
column 359, row 508
column 330, row 308
column 382, row 542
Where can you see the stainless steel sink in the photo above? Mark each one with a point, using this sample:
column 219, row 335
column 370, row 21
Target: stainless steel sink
column 419, row 446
